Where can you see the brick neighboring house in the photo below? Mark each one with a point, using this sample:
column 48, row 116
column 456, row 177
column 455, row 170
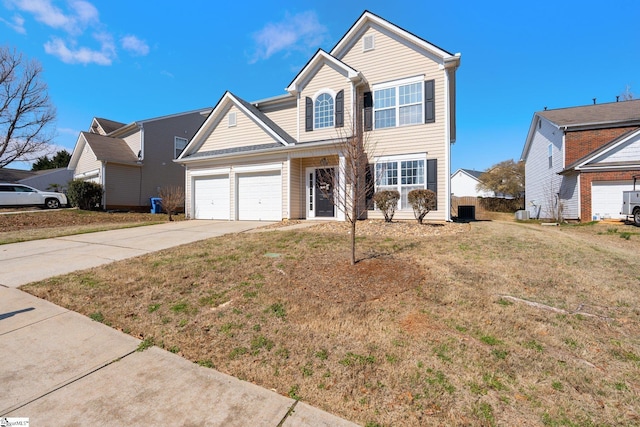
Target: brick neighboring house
column 578, row 160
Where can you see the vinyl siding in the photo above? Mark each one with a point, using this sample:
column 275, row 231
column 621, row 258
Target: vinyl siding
column 134, row 142
column 87, row 162
column 123, row 185
column 627, row 152
column 296, row 182
column 394, row 60
column 543, row 183
column 158, row 168
column 329, row 79
column 245, row 133
column 284, row 116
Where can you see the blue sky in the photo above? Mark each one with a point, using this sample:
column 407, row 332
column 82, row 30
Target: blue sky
column 133, row 60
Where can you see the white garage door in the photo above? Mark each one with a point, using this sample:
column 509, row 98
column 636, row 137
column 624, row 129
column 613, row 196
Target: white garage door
column 260, row 196
column 211, row 197
column 606, row 198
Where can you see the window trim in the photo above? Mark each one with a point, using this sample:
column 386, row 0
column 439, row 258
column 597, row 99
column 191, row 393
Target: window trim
column 315, row 97
column 175, row 145
column 396, row 84
column 398, row 160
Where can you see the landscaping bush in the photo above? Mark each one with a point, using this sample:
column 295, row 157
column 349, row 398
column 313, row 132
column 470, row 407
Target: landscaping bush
column 422, row 201
column 84, row 194
column 387, row 202
column 498, row 204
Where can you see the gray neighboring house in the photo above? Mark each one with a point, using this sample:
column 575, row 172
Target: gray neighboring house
column 14, row 175
column 134, row 161
column 49, row 179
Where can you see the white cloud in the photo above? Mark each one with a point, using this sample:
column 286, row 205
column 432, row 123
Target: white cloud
column 74, row 18
column 80, row 55
column 16, row 24
column 301, row 32
column 134, row 45
column 167, row 74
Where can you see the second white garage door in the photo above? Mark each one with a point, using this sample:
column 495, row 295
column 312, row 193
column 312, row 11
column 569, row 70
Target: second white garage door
column 260, row 196
column 211, row 197
column 606, row 198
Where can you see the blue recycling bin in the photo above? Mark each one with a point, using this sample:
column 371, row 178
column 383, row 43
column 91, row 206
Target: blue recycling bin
column 156, row 205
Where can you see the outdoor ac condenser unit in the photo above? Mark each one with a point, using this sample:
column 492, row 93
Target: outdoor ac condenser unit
column 522, row 215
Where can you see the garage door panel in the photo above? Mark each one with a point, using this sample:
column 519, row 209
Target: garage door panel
column 211, row 197
column 260, row 196
column 606, row 198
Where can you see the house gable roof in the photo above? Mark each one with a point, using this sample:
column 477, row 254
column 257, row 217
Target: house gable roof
column 105, row 148
column 281, row 138
column 14, row 175
column 311, row 68
column 368, row 19
column 596, row 116
column 104, row 126
column 595, row 158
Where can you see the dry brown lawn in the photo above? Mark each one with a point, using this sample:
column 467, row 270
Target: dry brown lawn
column 32, row 223
column 436, row 325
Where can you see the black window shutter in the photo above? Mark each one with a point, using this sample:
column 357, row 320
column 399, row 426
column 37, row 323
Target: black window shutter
column 368, row 111
column 308, row 114
column 340, row 109
column 432, row 177
column 429, row 101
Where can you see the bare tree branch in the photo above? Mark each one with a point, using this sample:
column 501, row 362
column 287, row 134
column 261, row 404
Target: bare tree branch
column 26, row 111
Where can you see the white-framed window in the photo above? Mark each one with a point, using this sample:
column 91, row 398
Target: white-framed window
column 550, row 155
column 401, row 173
column 178, row 145
column 399, row 103
column 323, row 111
column 232, row 119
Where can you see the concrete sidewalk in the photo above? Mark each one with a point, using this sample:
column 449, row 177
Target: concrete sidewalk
column 58, row 367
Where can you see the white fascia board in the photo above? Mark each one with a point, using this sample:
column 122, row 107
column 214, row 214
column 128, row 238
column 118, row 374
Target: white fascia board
column 77, row 152
column 260, row 123
column 321, row 56
column 368, row 18
column 585, row 164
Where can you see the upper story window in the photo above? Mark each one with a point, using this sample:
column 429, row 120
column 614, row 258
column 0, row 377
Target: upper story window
column 179, row 145
column 323, row 111
column 400, row 103
column 550, row 155
column 327, row 111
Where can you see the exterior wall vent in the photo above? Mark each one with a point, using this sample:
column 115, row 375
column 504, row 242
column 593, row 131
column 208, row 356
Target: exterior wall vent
column 368, row 43
column 232, row 119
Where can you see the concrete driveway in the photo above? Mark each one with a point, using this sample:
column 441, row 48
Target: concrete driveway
column 26, row 262
column 59, row 367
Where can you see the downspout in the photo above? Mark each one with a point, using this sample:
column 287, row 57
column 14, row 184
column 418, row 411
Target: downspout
column 447, row 162
column 289, row 185
column 104, row 185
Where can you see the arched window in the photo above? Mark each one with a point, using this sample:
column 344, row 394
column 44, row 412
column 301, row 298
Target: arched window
column 323, row 111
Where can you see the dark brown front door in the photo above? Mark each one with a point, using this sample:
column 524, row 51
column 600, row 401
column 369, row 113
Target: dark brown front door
column 324, row 192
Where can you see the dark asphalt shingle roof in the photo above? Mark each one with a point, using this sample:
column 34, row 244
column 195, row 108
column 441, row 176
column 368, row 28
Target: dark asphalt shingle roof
column 473, row 173
column 613, row 112
column 109, row 125
column 110, row 149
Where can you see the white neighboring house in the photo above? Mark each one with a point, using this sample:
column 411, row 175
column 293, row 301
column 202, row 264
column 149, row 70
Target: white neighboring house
column 464, row 183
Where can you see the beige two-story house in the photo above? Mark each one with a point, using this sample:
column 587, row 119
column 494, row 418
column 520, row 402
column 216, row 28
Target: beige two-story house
column 134, row 161
column 270, row 159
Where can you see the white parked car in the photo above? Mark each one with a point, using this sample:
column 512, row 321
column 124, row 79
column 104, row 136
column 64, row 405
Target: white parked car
column 23, row 195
